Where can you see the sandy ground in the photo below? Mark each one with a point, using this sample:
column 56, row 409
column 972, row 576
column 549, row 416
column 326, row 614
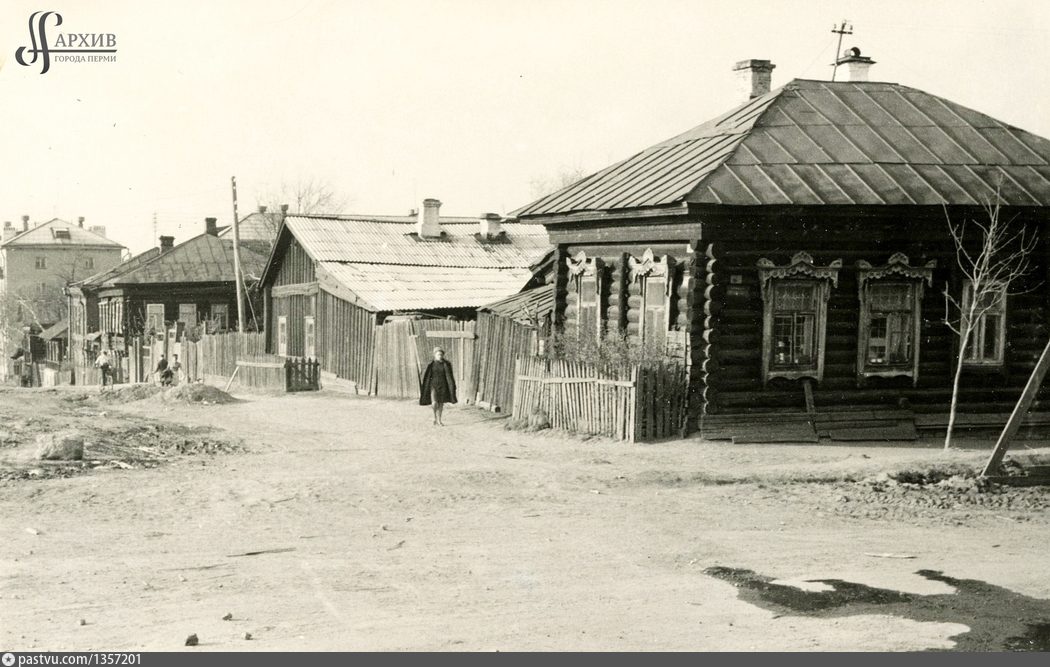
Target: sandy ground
column 388, row 533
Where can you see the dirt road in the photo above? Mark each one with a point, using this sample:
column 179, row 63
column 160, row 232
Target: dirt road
column 378, row 531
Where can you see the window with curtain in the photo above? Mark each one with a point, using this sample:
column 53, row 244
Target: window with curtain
column 795, row 311
column 891, row 315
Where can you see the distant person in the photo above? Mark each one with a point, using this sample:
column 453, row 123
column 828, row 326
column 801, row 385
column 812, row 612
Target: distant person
column 104, row 364
column 438, row 386
column 175, row 369
column 163, row 372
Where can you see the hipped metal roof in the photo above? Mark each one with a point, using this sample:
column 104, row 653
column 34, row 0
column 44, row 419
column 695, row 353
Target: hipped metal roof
column 824, row 143
column 202, row 259
column 44, row 235
column 388, row 267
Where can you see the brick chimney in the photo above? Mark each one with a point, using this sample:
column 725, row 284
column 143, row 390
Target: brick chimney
column 80, row 221
column 167, row 243
column 211, row 226
column 755, row 77
column 856, row 65
column 25, row 223
column 9, row 230
column 428, row 223
column 262, row 209
column 491, row 225
column 98, row 229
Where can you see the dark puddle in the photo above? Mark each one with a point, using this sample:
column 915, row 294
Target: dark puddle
column 999, row 619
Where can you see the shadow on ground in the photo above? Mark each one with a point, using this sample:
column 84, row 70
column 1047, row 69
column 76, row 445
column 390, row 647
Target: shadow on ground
column 999, row 619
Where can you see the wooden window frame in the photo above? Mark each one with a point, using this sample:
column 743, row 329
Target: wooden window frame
column 897, row 270
column 1000, row 352
column 40, row 263
column 585, row 272
column 186, row 306
column 219, row 314
column 823, row 278
column 653, row 273
column 309, row 337
column 149, row 317
column 282, row 335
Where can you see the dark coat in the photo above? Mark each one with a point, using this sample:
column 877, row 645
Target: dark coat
column 447, row 392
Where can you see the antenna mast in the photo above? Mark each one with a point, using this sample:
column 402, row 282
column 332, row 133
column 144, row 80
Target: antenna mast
column 844, row 29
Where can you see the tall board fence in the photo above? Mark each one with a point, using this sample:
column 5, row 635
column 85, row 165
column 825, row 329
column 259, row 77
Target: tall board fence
column 501, row 342
column 633, row 403
column 403, row 348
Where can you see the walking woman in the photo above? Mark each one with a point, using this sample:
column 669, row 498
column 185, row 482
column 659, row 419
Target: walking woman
column 438, row 386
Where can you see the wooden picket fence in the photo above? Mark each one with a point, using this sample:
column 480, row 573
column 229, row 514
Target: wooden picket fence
column 302, row 374
column 632, row 403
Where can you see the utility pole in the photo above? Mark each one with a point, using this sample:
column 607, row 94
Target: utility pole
column 840, row 30
column 237, row 258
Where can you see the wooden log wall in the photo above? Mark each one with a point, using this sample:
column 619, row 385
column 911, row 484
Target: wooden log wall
column 732, row 381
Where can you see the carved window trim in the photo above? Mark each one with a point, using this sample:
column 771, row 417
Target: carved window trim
column 653, row 272
column 897, row 270
column 585, row 278
column 823, row 279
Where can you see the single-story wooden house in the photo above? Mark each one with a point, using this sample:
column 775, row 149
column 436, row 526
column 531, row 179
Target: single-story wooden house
column 332, row 278
column 800, row 241
column 192, row 283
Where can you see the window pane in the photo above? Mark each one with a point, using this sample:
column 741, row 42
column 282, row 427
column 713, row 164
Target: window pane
column 891, row 297
column 899, row 335
column 783, row 339
column 990, row 351
column 804, row 339
column 794, row 296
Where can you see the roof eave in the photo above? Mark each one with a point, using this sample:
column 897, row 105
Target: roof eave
column 679, row 208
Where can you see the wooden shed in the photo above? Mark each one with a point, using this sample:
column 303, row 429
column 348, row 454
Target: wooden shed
column 797, row 246
column 332, row 279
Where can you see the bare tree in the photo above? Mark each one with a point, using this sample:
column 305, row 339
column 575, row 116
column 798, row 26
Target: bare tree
column 302, row 195
column 990, row 265
column 542, row 186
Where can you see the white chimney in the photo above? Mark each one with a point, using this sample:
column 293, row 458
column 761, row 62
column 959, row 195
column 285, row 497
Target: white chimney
column 856, row 65
column 80, row 221
column 98, row 229
column 428, row 224
column 9, row 230
column 491, row 225
column 755, row 77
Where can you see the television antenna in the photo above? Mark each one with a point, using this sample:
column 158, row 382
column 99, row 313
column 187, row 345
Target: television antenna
column 845, row 28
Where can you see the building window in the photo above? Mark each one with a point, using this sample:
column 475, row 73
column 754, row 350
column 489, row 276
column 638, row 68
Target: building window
column 309, row 337
column 188, row 314
column 220, row 317
column 41, row 263
column 586, row 276
column 155, row 317
column 890, row 317
column 795, row 298
column 89, row 263
column 655, row 276
column 988, row 336
column 282, row 336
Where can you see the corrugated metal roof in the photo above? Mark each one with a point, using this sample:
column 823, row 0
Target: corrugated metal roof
column 399, row 287
column 44, row 234
column 392, row 240
column 528, row 306
column 819, row 143
column 202, row 259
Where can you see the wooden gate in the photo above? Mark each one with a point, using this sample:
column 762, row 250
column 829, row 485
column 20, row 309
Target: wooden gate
column 404, row 348
column 458, row 341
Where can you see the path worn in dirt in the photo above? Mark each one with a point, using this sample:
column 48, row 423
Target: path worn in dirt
column 352, row 524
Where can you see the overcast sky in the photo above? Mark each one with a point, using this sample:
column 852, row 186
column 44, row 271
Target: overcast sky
column 469, row 101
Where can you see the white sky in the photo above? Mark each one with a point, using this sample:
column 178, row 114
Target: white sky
column 468, row 101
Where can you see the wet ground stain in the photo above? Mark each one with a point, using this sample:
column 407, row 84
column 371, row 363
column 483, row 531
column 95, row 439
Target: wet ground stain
column 998, row 619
